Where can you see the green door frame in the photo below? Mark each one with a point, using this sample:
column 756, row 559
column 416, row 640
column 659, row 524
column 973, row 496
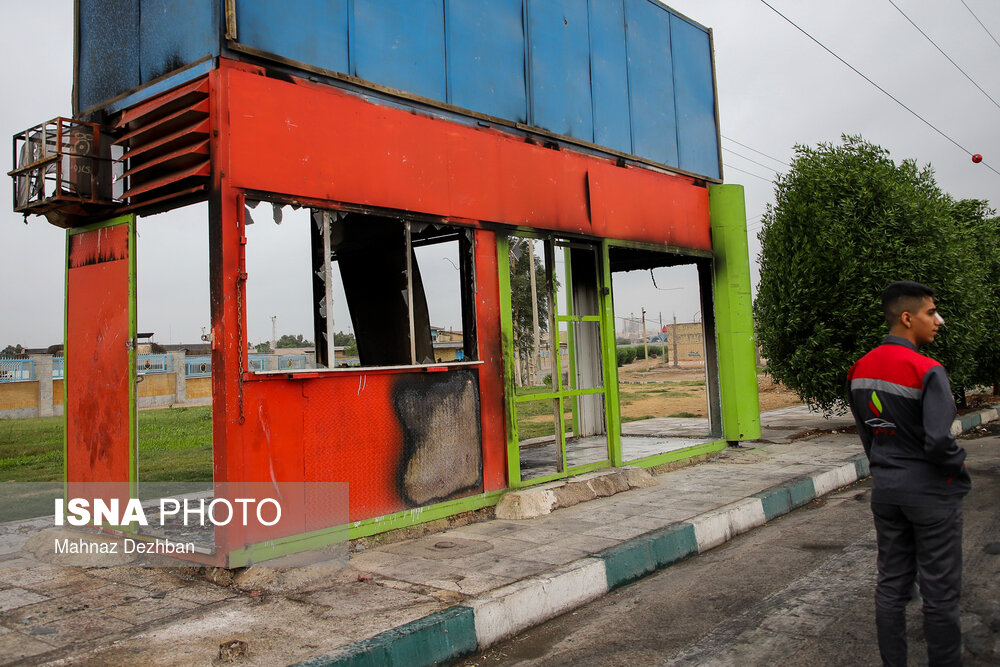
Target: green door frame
column 559, row 393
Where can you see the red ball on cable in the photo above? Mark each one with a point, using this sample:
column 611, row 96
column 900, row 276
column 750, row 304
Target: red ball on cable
column 977, row 158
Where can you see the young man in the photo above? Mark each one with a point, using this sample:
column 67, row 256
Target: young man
column 903, row 407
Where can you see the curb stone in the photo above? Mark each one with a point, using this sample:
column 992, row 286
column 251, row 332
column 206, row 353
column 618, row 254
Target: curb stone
column 487, row 619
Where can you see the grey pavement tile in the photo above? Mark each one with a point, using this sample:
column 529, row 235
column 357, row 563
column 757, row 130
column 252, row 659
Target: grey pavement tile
column 26, row 576
column 19, row 645
column 40, row 613
column 672, row 514
column 200, row 592
column 493, row 528
column 566, row 525
column 619, row 531
column 509, row 546
column 360, row 598
column 589, row 544
column 376, row 561
column 79, row 627
column 150, row 609
column 12, row 544
column 473, row 584
column 157, row 579
column 516, row 568
column 14, row 598
column 108, row 595
column 536, row 535
column 413, row 570
column 69, row 583
column 554, row 554
column 365, row 624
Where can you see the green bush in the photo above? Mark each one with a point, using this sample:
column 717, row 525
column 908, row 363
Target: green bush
column 846, row 222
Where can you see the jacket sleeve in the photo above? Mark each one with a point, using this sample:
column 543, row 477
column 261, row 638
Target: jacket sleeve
column 863, row 432
column 940, row 447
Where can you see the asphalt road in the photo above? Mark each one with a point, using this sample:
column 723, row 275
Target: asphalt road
column 797, row 591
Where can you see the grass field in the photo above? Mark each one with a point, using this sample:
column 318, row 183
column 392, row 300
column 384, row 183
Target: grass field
column 175, row 444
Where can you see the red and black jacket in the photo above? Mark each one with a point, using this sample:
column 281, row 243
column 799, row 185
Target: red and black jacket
column 903, row 407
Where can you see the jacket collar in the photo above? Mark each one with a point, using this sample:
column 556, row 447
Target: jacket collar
column 898, row 340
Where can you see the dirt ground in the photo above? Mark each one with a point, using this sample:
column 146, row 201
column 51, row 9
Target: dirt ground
column 649, row 388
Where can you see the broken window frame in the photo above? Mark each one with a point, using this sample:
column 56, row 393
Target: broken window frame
column 412, row 225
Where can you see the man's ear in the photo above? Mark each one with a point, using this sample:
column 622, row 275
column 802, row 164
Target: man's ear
column 906, row 319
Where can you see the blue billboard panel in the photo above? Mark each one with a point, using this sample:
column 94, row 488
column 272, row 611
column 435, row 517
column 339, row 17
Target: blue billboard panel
column 627, row 75
column 107, row 62
column 400, row 45
column 694, row 95
column 651, row 82
column 275, row 26
column 559, row 48
column 609, row 76
column 486, row 50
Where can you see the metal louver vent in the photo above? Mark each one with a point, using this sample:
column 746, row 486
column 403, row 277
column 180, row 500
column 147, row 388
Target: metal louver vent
column 165, row 146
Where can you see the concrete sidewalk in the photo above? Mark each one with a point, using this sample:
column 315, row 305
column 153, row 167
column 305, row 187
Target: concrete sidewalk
column 428, row 599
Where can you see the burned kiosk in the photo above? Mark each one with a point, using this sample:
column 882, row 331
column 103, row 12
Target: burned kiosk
column 535, row 143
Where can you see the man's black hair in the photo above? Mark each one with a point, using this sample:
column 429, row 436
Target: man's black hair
column 903, row 296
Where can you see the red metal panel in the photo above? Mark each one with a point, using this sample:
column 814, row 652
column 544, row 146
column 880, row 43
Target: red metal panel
column 317, row 141
column 629, row 203
column 491, row 353
column 97, row 381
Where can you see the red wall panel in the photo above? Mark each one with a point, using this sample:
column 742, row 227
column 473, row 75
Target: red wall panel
column 316, row 141
column 97, row 382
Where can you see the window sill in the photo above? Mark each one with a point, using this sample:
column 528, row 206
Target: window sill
column 309, row 373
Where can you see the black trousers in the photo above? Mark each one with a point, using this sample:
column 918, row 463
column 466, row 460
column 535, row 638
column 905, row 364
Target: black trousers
column 926, row 543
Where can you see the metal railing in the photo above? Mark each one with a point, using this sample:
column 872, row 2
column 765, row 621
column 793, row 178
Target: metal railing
column 17, row 370
column 258, row 362
column 154, row 363
column 291, row 362
column 198, row 367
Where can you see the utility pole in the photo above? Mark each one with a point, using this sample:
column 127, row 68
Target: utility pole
column 663, row 341
column 676, row 365
column 645, row 343
column 274, row 333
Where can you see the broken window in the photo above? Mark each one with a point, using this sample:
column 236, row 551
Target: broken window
column 368, row 290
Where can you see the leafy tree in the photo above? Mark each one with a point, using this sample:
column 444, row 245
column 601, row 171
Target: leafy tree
column 520, row 297
column 263, row 348
column 289, row 340
column 846, row 222
column 12, row 350
column 348, row 341
column 984, row 229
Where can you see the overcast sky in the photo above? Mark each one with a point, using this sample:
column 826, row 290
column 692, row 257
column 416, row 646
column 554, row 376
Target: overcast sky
column 776, row 89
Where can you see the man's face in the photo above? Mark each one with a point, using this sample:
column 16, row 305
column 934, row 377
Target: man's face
column 924, row 321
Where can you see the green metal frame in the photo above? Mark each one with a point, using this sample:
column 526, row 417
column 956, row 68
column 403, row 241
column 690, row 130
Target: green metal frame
column 133, row 461
column 559, row 393
column 318, row 539
column 740, row 401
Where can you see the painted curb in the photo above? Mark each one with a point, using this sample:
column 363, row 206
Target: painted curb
column 481, row 622
column 439, row 637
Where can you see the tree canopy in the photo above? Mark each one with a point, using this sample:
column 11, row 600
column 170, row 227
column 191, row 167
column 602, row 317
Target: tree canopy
column 289, row 340
column 847, row 220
